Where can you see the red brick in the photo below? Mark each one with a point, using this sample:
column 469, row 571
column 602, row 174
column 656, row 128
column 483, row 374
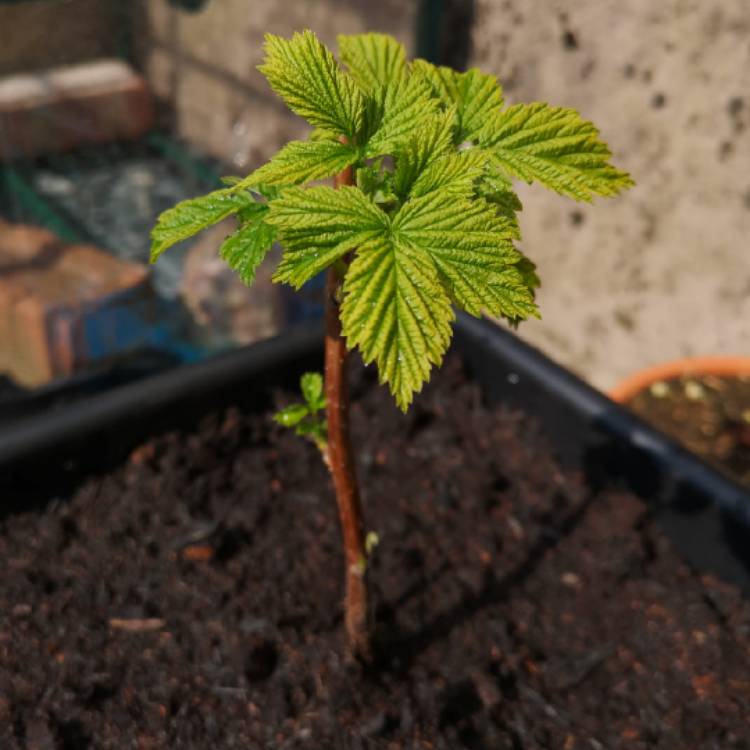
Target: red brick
column 22, row 242
column 50, row 294
column 59, row 109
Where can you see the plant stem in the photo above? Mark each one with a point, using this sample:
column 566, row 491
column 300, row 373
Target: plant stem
column 342, row 465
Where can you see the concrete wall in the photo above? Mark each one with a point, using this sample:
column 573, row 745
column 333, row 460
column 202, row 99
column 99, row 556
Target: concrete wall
column 204, row 63
column 663, row 271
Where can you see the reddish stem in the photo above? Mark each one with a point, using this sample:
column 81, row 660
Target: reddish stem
column 342, row 465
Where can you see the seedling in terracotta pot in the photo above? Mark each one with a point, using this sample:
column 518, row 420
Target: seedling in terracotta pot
column 422, row 220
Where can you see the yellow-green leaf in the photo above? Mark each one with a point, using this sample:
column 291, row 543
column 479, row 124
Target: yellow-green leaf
column 396, row 312
column 372, row 59
column 245, row 249
column 456, row 172
column 471, row 247
column 305, row 74
column 431, row 141
column 318, row 225
column 396, row 111
column 302, row 161
column 476, row 96
column 191, row 216
column 554, row 146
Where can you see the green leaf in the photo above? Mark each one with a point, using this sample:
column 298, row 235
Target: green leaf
column 433, row 217
column 270, row 192
column 316, row 430
column 319, row 225
column 476, row 96
column 377, row 183
column 311, row 384
column 397, row 313
column 372, row 59
column 397, row 291
column 321, row 134
column 439, row 219
column 527, row 268
column 456, row 173
column 471, row 247
column 291, row 415
column 495, row 185
column 556, row 147
column 480, row 98
column 191, row 216
column 302, row 161
column 431, row 141
column 443, row 81
column 497, row 188
column 266, row 191
column 394, row 112
column 245, row 249
column 305, row 74
column 509, row 293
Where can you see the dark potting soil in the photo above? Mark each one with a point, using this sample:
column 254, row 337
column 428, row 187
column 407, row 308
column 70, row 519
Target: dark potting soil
column 709, row 415
column 191, row 599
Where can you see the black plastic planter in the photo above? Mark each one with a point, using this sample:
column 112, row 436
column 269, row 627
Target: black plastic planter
column 706, row 515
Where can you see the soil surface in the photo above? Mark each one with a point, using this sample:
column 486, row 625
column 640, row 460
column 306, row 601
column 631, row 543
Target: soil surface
column 192, row 598
column 709, row 415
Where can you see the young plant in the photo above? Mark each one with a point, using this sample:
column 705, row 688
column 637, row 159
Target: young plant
column 422, row 220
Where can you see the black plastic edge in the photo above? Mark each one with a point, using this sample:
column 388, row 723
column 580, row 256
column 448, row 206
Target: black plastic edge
column 45, row 453
column 706, row 515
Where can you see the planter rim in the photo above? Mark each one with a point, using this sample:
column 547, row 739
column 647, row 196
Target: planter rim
column 718, row 365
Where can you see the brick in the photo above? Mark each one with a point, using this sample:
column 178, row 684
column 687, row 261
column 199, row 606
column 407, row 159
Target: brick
column 63, row 307
column 21, row 243
column 31, row 361
column 61, row 108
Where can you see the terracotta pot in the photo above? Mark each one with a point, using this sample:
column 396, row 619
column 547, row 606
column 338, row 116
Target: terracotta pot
column 709, row 365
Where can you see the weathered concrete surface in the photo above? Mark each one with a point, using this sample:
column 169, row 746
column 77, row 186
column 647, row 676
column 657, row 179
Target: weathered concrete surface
column 663, row 271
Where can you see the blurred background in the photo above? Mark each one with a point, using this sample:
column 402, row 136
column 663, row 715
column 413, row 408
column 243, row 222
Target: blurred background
column 111, row 111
